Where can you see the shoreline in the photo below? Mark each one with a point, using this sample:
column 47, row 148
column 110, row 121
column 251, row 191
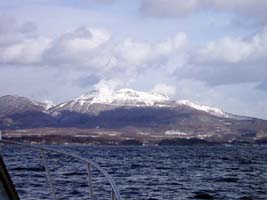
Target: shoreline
column 116, row 137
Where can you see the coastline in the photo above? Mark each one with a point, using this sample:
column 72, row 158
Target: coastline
column 111, row 137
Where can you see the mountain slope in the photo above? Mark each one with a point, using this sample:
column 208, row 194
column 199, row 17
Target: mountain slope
column 15, row 104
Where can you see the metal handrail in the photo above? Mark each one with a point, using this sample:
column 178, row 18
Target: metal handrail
column 115, row 195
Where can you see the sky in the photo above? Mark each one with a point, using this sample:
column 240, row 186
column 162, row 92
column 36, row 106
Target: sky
column 211, row 52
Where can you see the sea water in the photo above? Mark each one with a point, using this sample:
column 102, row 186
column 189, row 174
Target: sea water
column 163, row 173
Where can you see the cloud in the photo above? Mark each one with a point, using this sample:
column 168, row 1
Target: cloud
column 71, row 3
column 7, row 24
column 81, row 48
column 94, row 49
column 17, row 46
column 89, row 48
column 138, row 56
column 28, row 27
column 10, row 29
column 262, row 86
column 169, row 8
column 25, row 52
column 227, row 50
column 230, row 60
column 104, row 1
column 177, row 8
column 166, row 89
column 107, row 86
column 231, row 50
column 87, row 81
column 254, row 8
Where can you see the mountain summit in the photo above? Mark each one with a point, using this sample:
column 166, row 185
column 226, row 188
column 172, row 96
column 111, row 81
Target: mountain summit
column 123, row 97
column 100, row 100
column 96, row 101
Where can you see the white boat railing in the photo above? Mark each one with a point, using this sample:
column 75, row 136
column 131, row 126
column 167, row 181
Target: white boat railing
column 115, row 195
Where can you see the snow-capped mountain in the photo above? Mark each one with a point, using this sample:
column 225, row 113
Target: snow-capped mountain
column 101, row 100
column 96, row 101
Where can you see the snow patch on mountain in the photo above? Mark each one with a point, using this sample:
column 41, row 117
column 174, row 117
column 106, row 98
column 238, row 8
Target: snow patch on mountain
column 48, row 104
column 175, row 132
column 212, row 110
column 123, row 96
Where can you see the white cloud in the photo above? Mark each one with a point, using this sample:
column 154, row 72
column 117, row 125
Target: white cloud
column 25, row 52
column 82, row 47
column 18, row 42
column 224, row 61
column 230, row 50
column 235, row 50
column 94, row 49
column 166, row 89
column 140, row 55
column 88, row 48
column 229, row 60
column 107, row 87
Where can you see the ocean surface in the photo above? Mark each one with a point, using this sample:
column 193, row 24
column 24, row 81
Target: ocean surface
column 163, row 173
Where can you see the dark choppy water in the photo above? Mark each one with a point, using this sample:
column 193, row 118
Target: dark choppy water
column 235, row 172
